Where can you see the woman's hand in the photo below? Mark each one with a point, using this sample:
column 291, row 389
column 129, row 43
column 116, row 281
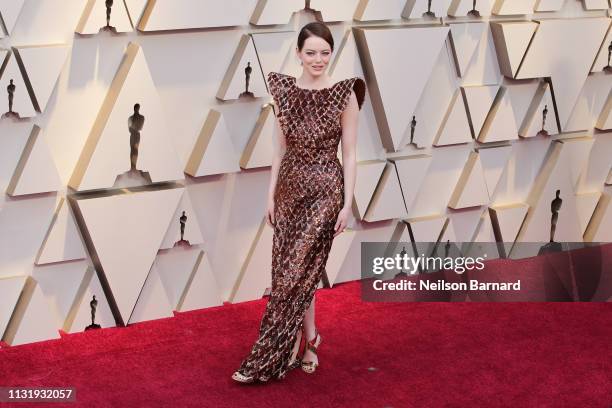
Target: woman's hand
column 270, row 213
column 342, row 221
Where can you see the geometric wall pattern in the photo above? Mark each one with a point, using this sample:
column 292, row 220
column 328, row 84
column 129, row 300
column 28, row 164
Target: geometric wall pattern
column 472, row 122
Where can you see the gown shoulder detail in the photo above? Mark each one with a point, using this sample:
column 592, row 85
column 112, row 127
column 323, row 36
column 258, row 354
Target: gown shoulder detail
column 356, row 84
column 278, row 84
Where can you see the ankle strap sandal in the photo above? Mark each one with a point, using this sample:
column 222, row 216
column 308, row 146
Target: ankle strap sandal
column 312, row 345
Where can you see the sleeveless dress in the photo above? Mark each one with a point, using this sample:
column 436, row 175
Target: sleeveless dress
column 308, row 198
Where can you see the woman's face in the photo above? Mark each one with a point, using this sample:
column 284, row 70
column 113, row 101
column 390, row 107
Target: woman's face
column 315, row 55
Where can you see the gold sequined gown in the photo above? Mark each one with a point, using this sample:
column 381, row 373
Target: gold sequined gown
column 308, row 197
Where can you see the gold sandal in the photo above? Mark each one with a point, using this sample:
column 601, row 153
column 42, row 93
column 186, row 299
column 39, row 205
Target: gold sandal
column 312, row 345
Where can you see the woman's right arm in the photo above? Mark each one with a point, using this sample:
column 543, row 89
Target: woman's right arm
column 279, row 151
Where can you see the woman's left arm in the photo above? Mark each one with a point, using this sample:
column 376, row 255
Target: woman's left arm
column 349, row 120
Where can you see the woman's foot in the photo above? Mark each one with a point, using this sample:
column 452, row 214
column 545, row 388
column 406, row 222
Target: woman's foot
column 309, row 356
column 310, row 360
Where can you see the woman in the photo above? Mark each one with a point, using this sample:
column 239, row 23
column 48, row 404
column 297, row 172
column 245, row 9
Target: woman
column 309, row 202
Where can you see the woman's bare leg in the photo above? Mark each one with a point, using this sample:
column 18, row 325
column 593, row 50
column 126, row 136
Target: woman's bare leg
column 310, row 330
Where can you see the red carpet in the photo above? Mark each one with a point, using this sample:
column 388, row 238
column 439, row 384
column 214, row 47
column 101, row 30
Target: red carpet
column 372, row 355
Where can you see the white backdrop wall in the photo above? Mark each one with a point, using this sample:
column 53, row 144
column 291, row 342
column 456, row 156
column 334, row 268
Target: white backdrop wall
column 476, row 86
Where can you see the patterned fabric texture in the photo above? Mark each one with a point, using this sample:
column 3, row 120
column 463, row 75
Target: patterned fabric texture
column 308, row 197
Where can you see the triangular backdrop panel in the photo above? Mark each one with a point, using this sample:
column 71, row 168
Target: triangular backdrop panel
column 555, row 175
column 494, row 162
column 193, row 234
column 153, row 302
column 202, row 290
column 586, row 203
column 347, row 64
column 106, row 153
column 243, row 67
column 465, row 39
column 541, row 114
column 126, row 231
column 563, row 49
column 500, row 123
column 213, row 152
column 479, row 100
column 80, row 315
column 259, row 151
column 602, row 57
column 10, row 9
column 33, row 319
column 10, row 289
column 400, row 84
column 511, row 41
column 338, row 254
column 604, row 122
column 455, row 127
column 596, row 4
column 175, row 268
column 43, row 65
column 411, row 171
column 471, row 189
column 273, row 49
column 63, row 241
column 509, row 219
column 255, row 274
column 368, row 175
column 22, row 103
column 426, row 229
column 61, row 284
column 465, row 223
column 600, row 225
column 135, row 10
column 36, row 171
column 387, row 201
